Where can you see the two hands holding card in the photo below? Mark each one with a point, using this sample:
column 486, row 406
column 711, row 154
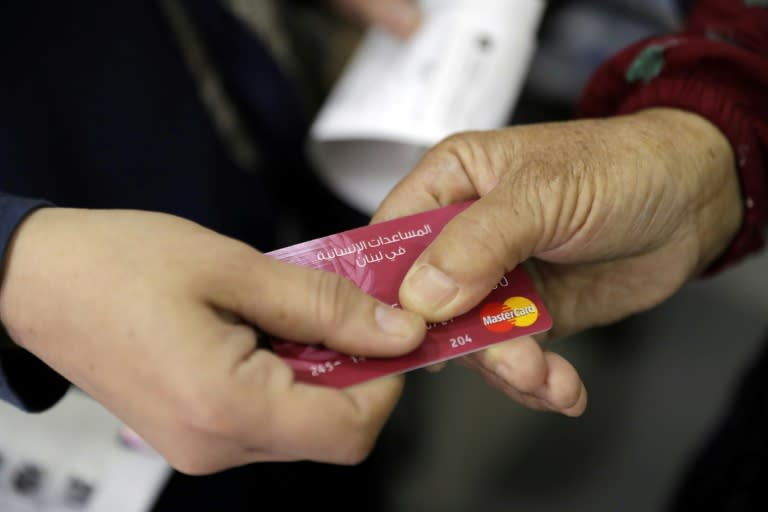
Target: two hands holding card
column 154, row 316
column 609, row 221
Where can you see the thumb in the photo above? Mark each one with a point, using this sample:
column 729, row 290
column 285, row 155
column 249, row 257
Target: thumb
column 471, row 254
column 313, row 306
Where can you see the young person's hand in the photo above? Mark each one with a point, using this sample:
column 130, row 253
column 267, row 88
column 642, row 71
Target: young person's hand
column 155, row 317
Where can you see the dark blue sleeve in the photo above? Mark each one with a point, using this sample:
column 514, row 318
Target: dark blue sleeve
column 25, row 381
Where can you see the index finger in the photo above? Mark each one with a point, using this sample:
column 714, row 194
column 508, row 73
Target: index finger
column 304, row 421
column 438, row 180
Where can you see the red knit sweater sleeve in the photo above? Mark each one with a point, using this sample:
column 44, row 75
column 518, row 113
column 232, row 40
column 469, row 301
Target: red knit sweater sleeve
column 717, row 66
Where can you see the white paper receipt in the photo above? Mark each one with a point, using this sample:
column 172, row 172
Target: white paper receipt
column 462, row 70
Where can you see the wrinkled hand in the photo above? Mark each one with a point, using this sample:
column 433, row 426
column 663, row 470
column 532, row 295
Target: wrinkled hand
column 153, row 316
column 612, row 216
column 399, row 17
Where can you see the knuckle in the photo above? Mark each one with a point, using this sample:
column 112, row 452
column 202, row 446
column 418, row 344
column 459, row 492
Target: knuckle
column 332, row 300
column 459, row 164
column 469, row 150
column 487, row 238
column 451, row 143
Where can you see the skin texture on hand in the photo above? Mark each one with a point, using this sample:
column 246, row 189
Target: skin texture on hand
column 399, row 17
column 153, row 316
column 610, row 216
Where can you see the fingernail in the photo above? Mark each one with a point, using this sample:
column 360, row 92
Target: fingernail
column 403, row 19
column 430, row 287
column 393, row 321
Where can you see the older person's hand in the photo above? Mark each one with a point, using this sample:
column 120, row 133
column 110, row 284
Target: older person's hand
column 611, row 217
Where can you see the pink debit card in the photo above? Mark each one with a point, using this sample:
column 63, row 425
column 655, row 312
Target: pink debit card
column 376, row 258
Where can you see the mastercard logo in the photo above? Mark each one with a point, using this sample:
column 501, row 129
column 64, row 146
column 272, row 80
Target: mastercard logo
column 513, row 312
